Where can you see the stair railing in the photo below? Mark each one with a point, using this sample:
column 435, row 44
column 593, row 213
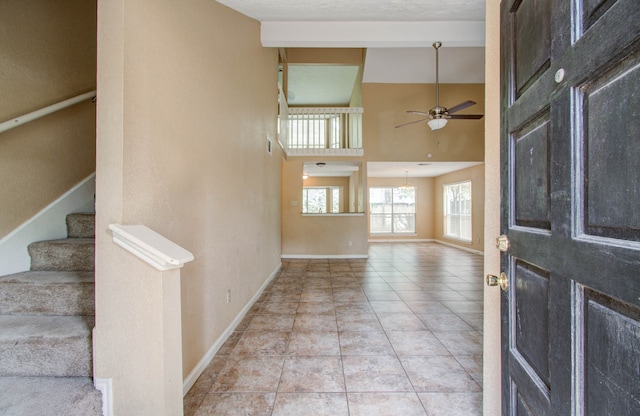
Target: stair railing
column 34, row 115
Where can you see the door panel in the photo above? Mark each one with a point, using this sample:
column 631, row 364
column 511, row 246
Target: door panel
column 571, row 207
column 528, row 389
column 522, row 407
column 593, row 9
column 529, row 341
column 532, row 58
column 531, row 318
column 531, row 179
column 610, row 359
column 610, row 155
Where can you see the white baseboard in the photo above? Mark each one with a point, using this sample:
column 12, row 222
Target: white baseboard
column 190, row 380
column 470, row 250
column 401, row 240
column 324, row 256
column 48, row 224
column 106, row 388
column 426, row 240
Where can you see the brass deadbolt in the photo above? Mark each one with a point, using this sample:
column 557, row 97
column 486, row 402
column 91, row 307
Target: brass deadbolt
column 502, row 243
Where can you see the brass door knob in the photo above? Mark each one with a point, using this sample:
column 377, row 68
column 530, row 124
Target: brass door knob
column 502, row 281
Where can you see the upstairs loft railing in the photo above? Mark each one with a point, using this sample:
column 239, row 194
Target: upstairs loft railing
column 321, row 130
column 34, row 115
column 325, row 130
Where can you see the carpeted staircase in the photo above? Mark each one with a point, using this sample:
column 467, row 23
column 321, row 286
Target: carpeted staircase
column 46, row 319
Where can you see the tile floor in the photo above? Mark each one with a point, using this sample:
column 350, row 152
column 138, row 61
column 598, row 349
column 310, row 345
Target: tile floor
column 399, row 333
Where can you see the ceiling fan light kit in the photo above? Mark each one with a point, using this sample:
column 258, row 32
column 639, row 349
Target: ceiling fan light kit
column 438, row 116
column 437, row 123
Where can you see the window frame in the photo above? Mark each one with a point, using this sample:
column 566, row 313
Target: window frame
column 446, row 233
column 393, row 214
column 329, row 199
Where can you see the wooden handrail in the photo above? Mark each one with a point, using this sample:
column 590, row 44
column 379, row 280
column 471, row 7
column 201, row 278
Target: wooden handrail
column 18, row 121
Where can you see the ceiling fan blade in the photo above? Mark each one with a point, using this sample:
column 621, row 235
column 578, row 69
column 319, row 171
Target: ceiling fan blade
column 420, row 113
column 466, row 116
column 461, row 106
column 412, row 122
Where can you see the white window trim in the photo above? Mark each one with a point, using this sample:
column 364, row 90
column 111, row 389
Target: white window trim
column 395, row 234
column 444, row 213
column 329, row 201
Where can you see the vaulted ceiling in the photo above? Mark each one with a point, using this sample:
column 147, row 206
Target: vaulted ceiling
column 398, row 36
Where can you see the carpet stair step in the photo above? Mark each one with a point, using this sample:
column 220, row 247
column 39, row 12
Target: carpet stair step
column 57, row 346
column 72, row 254
column 81, row 225
column 46, row 322
column 47, row 293
column 48, row 396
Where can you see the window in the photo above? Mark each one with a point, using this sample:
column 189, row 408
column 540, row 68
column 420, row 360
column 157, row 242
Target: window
column 457, row 211
column 320, row 200
column 392, row 210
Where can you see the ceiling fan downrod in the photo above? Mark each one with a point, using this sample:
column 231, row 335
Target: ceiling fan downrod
column 436, row 46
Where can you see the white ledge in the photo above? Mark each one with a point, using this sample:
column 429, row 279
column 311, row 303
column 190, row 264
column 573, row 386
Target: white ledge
column 324, row 152
column 325, row 110
column 146, row 244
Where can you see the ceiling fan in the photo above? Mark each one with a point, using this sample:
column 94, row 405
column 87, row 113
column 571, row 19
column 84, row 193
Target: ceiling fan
column 438, row 116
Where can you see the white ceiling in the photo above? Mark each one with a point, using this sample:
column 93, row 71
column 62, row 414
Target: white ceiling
column 422, row 169
column 359, row 10
column 333, row 84
column 417, row 65
column 320, row 85
column 398, row 34
column 419, row 169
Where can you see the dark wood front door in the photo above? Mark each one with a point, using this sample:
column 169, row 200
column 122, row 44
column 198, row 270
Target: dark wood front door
column 570, row 175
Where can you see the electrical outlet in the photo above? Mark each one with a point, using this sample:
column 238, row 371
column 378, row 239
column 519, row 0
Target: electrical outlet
column 350, row 243
column 228, row 295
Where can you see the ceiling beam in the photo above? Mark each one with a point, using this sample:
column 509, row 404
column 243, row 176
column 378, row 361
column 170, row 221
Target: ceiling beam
column 372, row 34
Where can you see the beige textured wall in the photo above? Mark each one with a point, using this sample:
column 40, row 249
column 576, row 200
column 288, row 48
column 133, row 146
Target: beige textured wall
column 316, row 235
column 491, row 346
column 476, row 175
column 48, row 52
column 424, row 205
column 190, row 99
column 385, row 107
